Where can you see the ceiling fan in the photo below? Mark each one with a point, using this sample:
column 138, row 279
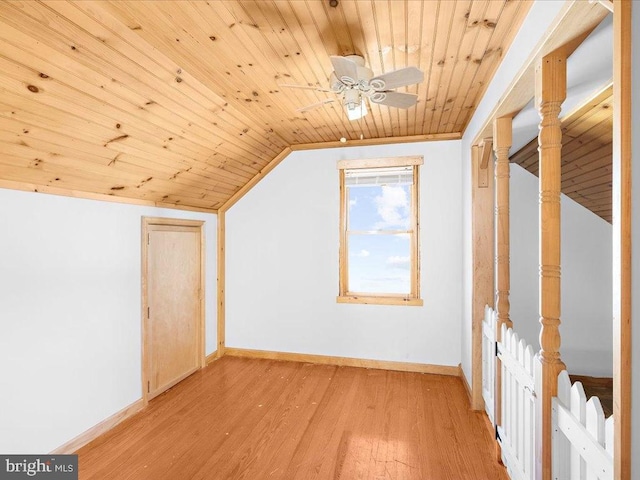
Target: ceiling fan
column 353, row 82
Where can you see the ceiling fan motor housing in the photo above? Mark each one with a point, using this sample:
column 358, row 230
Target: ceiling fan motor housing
column 351, row 98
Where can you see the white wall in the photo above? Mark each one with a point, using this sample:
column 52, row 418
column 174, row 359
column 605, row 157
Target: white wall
column 533, row 29
column 70, row 301
column 282, row 264
column 587, row 325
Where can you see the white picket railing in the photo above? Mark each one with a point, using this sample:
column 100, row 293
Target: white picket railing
column 517, row 430
column 582, row 438
column 489, row 328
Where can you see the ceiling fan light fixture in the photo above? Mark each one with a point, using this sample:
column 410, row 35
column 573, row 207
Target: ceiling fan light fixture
column 378, row 97
column 378, row 84
column 335, row 84
column 347, row 80
column 354, row 104
column 356, row 111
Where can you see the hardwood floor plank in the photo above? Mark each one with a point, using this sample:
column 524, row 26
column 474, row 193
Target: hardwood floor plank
column 328, row 423
column 265, row 419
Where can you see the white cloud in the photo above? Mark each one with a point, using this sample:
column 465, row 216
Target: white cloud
column 362, row 253
column 398, row 260
column 353, row 201
column 393, row 207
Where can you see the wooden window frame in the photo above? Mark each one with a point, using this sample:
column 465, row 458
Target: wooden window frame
column 346, row 296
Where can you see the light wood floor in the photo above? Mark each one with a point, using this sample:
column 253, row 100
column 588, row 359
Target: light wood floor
column 262, row 419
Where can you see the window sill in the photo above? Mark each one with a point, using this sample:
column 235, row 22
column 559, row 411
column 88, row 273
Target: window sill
column 371, row 300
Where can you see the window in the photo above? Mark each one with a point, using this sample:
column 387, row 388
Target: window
column 379, row 258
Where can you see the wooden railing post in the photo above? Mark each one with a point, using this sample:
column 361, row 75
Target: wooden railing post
column 502, row 134
column 625, row 15
column 550, row 93
column 482, row 221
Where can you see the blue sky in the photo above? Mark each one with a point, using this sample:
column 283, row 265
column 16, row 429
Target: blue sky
column 379, row 263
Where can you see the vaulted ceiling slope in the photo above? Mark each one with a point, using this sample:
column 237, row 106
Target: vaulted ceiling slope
column 586, row 117
column 180, row 102
column 587, row 146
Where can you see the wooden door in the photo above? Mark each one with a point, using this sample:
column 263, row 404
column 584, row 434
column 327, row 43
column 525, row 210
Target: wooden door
column 173, row 320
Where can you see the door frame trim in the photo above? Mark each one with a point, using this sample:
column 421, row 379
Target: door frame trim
column 147, row 223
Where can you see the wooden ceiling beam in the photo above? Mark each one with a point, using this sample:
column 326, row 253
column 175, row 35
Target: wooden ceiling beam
column 377, row 141
column 576, row 20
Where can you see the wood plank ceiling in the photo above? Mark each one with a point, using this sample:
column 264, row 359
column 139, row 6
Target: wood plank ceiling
column 587, row 136
column 180, row 102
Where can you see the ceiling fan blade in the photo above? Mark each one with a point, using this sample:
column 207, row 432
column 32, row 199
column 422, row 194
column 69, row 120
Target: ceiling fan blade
column 305, row 87
column 315, row 105
column 346, row 70
column 397, row 78
column 394, row 99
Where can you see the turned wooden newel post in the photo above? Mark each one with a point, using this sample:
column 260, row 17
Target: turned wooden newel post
column 502, row 133
column 550, row 93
